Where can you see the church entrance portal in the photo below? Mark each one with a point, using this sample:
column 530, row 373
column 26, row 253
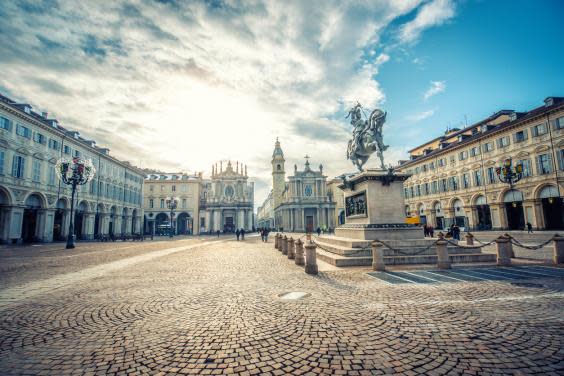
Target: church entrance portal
column 229, row 225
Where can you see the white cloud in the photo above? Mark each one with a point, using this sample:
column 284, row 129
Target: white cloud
column 181, row 85
column 420, row 116
column 435, row 12
column 435, row 88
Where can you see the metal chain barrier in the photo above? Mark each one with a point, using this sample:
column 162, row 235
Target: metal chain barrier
column 482, row 245
column 530, row 247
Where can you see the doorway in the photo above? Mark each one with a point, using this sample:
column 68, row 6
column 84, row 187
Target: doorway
column 553, row 210
column 515, row 215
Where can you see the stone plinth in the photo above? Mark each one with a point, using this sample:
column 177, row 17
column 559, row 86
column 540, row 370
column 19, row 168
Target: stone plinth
column 374, row 207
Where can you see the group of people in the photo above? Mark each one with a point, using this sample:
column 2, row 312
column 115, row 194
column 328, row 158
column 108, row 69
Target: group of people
column 428, row 231
column 263, row 231
column 454, row 231
column 240, row 233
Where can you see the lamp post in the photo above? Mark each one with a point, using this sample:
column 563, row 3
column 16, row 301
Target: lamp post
column 171, row 203
column 75, row 172
column 509, row 174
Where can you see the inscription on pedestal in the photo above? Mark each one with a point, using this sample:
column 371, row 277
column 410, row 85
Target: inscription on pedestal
column 356, row 205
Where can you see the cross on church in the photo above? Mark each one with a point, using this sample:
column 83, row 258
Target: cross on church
column 307, row 158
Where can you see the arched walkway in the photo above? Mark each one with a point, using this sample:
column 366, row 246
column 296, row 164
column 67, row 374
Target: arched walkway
column 31, row 226
column 552, row 207
column 5, row 202
column 184, row 224
column 483, row 216
column 439, row 215
column 60, row 219
column 79, row 221
column 162, row 224
column 513, row 201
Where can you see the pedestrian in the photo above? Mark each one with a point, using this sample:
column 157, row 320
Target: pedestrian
column 242, row 234
column 456, row 232
column 425, row 231
column 218, row 233
column 266, row 231
column 237, row 233
column 529, row 228
column 431, row 231
column 318, row 231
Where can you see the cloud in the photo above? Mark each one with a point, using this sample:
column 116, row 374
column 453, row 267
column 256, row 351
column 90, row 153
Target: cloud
column 435, row 88
column 420, row 116
column 433, row 13
column 179, row 85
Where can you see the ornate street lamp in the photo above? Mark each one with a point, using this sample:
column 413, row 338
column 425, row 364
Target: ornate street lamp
column 509, row 174
column 171, row 203
column 75, row 172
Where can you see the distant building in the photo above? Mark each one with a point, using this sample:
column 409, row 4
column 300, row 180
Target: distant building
column 337, row 196
column 302, row 203
column 454, row 177
column 227, row 199
column 35, row 204
column 186, row 190
column 265, row 213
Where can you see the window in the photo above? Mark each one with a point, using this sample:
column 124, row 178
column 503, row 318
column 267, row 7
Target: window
column 452, row 159
column 23, row 131
column 487, row 147
column 444, row 185
column 465, row 181
column 162, row 203
column 417, row 169
column 202, row 222
column 558, row 123
column 442, row 162
column 36, row 171
column 405, row 193
column 474, row 151
column 418, row 190
column 39, row 138
column 151, row 188
column 183, row 203
column 527, row 171
column 426, row 189
column 434, row 187
column 432, row 166
column 67, row 149
column 561, row 159
column 5, row 123
column 18, row 166
column 539, row 130
column 174, row 188
column 478, row 178
column 54, row 144
column 491, row 175
column 521, row 136
column 411, row 193
column 77, row 153
column 503, row 142
column 51, row 174
column 544, row 164
column 453, row 183
column 2, row 158
column 424, row 168
column 462, row 155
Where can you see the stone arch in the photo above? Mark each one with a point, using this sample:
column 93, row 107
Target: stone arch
column 35, row 199
column 6, row 196
column 516, row 195
column 478, row 198
column 62, row 203
column 421, row 209
column 542, row 188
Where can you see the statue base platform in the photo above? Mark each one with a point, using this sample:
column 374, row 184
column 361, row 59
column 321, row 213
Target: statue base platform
column 374, row 207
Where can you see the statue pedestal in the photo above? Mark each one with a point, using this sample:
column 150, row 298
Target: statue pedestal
column 374, row 207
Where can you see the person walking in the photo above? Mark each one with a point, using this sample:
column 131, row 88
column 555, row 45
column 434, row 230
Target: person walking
column 529, row 228
column 431, row 230
column 218, row 233
column 318, row 231
column 242, row 234
column 238, row 233
column 266, row 231
column 456, row 232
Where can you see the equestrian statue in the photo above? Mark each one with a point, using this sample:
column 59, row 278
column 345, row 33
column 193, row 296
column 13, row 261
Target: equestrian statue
column 367, row 136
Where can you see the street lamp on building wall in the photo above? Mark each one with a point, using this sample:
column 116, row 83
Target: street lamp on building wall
column 509, row 174
column 171, row 203
column 75, row 172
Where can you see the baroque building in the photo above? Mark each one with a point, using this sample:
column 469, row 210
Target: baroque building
column 265, row 213
column 185, row 189
column 35, row 204
column 227, row 199
column 302, row 203
column 454, row 177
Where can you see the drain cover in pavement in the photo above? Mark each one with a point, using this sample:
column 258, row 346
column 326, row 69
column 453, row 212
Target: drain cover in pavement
column 528, row 284
column 294, row 295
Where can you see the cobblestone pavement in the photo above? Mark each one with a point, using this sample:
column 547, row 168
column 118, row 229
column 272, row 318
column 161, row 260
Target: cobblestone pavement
column 213, row 307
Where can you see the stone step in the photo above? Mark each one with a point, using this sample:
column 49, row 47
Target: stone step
column 342, row 261
column 352, row 252
column 353, row 243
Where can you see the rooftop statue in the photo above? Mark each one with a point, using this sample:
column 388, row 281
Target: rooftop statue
column 367, row 136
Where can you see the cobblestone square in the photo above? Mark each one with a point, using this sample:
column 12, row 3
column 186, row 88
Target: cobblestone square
column 213, row 306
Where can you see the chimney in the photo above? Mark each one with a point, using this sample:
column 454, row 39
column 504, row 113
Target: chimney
column 45, row 114
column 549, row 101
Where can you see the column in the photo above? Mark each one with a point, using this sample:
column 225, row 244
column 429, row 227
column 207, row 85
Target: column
column 48, row 221
column 117, row 225
column 5, row 217
column 241, row 219
column 470, row 212
column 534, row 214
column 65, row 223
column 16, row 222
column 216, row 220
column 207, row 224
column 88, row 225
column 128, row 220
column 502, row 215
column 250, row 218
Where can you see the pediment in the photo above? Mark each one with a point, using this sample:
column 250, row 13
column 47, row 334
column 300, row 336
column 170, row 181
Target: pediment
column 541, row 148
column 23, row 151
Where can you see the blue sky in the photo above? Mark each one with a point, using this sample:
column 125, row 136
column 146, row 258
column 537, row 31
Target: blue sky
column 179, row 85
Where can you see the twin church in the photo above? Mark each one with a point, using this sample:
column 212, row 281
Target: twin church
column 300, row 203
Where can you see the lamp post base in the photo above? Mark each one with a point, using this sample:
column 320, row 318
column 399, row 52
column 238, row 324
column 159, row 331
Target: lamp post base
column 70, row 242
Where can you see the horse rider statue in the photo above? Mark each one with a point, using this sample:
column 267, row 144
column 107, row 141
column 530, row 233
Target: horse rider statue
column 367, row 137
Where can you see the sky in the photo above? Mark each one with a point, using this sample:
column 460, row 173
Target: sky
column 178, row 85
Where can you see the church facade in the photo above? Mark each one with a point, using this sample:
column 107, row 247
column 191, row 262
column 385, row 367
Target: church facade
column 301, row 203
column 226, row 200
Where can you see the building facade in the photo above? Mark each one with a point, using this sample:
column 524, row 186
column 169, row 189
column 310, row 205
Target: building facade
column 185, row 190
column 35, row 204
column 265, row 213
column 227, row 199
column 454, row 177
column 302, row 203
column 337, row 195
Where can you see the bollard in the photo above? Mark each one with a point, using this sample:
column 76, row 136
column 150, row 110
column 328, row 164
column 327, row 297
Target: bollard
column 378, row 257
column 469, row 239
column 558, row 241
column 308, row 236
column 291, row 254
column 299, row 253
column 311, row 258
column 510, row 247
column 443, row 260
column 503, row 246
column 276, row 241
column 285, row 245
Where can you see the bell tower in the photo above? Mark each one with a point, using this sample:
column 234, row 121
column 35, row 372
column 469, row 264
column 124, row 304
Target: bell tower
column 278, row 174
